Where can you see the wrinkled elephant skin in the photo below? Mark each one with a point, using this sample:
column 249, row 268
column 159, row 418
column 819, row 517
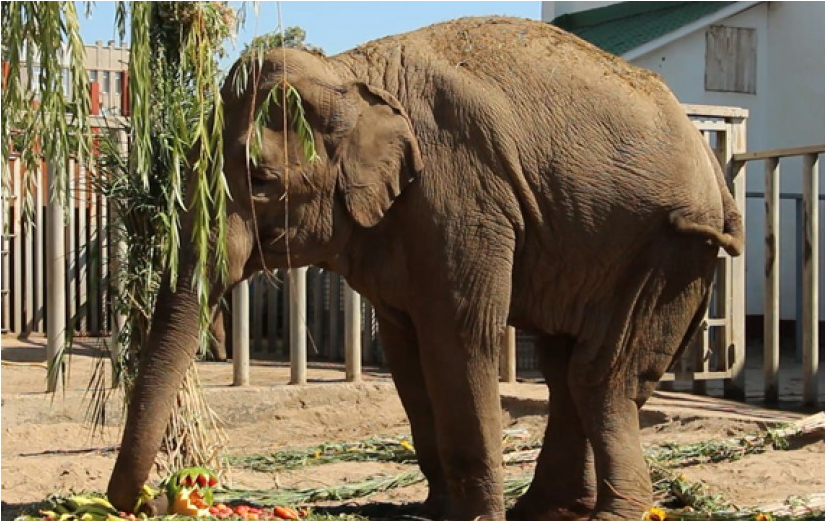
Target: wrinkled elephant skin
column 474, row 174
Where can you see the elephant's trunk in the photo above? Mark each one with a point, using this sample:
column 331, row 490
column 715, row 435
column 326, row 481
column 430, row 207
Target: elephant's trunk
column 172, row 344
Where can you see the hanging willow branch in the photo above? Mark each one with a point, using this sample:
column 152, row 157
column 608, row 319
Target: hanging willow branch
column 47, row 108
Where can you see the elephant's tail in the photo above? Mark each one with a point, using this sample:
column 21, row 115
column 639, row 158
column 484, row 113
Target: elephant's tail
column 732, row 235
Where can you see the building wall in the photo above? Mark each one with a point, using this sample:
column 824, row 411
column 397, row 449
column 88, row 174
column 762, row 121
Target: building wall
column 788, row 109
column 106, row 65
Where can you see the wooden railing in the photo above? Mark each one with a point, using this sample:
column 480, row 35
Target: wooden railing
column 809, row 266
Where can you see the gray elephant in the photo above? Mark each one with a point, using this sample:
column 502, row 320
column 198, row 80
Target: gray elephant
column 474, row 174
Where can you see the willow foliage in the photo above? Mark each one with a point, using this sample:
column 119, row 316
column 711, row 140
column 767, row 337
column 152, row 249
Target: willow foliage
column 174, row 165
column 46, row 110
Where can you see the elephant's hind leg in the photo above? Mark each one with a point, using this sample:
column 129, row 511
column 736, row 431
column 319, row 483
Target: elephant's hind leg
column 563, row 488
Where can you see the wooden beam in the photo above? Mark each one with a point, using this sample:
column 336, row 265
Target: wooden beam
column 353, row 357
column 241, row 333
column 736, row 143
column 810, row 278
column 771, row 351
column 715, row 111
column 780, row 152
column 298, row 326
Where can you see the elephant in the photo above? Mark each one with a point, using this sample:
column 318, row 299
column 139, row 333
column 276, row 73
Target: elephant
column 475, row 174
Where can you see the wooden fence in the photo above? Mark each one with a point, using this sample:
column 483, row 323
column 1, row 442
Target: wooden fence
column 86, row 234
column 313, row 313
column 809, row 283
column 717, row 353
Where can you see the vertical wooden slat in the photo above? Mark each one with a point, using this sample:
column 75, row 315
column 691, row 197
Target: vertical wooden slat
column 5, row 229
column 71, row 250
column 17, row 242
column 83, row 249
column 93, row 256
column 298, row 329
column 508, row 355
column 241, row 333
column 771, row 338
column 737, row 171
column 333, row 316
column 353, row 358
column 39, row 282
column 272, row 313
column 367, row 332
column 29, row 266
column 56, row 269
column 117, row 228
column 285, row 312
column 810, row 279
column 103, row 233
column 317, row 304
column 256, row 313
column 701, row 361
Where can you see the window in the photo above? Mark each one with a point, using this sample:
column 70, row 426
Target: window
column 93, row 76
column 105, row 82
column 730, row 59
column 118, row 90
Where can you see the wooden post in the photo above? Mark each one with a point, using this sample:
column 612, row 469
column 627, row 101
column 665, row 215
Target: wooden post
column 83, row 249
column 737, row 172
column 256, row 309
column 508, row 356
column 119, row 261
column 17, row 241
column 273, row 296
column 333, row 316
column 298, row 326
column 241, row 333
column 317, row 304
column 810, row 278
column 56, row 266
column 40, row 256
column 771, row 353
column 353, row 357
column 286, row 307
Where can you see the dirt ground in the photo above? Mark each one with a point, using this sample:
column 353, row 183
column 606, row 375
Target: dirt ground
column 47, row 446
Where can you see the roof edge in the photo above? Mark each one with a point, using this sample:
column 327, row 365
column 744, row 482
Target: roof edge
column 681, row 32
column 609, row 13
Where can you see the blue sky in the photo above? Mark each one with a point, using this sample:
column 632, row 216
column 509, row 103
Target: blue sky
column 334, row 26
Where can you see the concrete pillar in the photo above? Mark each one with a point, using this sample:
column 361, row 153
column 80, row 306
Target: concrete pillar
column 241, row 334
column 353, row 330
column 56, row 275
column 298, row 326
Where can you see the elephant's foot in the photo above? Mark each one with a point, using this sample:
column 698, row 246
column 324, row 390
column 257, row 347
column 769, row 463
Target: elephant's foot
column 531, row 509
column 436, row 505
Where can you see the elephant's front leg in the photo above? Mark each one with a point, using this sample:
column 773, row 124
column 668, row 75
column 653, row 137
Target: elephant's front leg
column 402, row 354
column 460, row 364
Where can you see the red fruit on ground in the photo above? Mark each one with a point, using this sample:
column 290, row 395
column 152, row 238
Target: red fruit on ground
column 285, row 513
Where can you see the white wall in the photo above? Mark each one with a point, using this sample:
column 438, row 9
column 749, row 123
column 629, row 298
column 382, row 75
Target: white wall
column 788, row 109
column 551, row 10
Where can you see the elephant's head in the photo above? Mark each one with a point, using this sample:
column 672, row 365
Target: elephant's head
column 293, row 207
column 367, row 155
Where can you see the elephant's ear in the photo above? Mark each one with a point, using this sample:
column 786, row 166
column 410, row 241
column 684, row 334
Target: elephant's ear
column 378, row 156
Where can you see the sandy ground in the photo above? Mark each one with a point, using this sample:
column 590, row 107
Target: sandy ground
column 47, row 445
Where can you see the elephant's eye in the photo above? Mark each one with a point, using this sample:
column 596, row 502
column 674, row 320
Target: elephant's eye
column 268, row 173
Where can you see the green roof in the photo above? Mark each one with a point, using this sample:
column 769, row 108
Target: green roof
column 620, row 27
